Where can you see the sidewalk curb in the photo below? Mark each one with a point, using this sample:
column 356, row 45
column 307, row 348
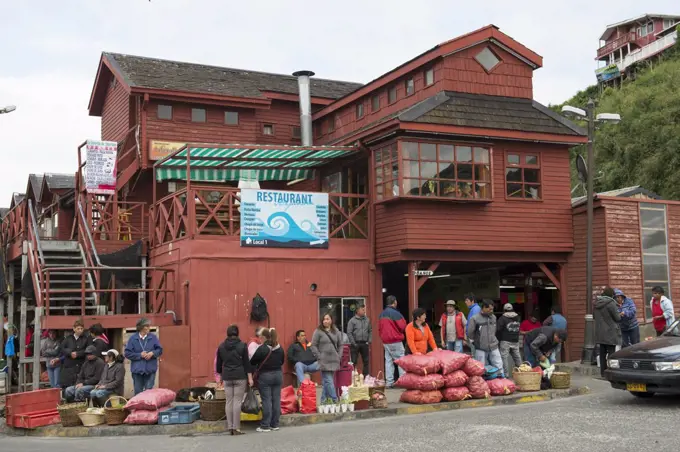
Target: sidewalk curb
column 202, row 428
column 579, row 369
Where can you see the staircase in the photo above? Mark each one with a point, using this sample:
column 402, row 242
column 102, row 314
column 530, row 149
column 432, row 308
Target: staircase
column 65, row 285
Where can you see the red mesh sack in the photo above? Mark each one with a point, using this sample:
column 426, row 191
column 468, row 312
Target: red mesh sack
column 289, row 403
column 501, row 386
column 422, row 382
column 143, row 417
column 419, row 364
column 455, row 379
column 450, row 361
column 474, row 368
column 456, row 394
column 151, row 400
column 420, row 397
column 479, row 389
column 307, row 392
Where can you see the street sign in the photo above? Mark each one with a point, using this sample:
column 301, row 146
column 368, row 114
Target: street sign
column 423, row 272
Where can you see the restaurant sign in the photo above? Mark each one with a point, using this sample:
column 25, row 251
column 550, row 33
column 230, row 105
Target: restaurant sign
column 284, row 219
column 607, row 73
column 100, row 167
column 158, row 150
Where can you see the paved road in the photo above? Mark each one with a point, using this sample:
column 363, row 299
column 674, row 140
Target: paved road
column 607, row 420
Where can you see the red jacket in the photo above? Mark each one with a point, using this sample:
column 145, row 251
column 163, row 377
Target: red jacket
column 460, row 329
column 391, row 326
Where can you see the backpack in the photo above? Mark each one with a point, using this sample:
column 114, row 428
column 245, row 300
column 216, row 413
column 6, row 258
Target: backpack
column 258, row 310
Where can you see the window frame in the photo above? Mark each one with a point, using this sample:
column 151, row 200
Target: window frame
column 238, row 118
column 264, row 126
column 390, row 90
column 292, row 132
column 158, row 112
column 522, row 165
column 205, row 115
column 359, row 110
column 429, row 70
column 494, row 68
column 341, row 320
column 412, row 81
column 374, row 99
column 647, row 315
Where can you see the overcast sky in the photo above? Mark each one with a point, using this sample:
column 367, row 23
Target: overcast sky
column 49, row 51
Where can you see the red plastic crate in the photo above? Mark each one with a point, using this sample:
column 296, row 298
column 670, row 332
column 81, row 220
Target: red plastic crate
column 44, row 400
column 36, row 419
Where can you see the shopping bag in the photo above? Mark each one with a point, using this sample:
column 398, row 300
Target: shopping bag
column 250, row 403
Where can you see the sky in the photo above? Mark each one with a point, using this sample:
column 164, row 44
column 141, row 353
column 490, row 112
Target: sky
column 50, row 50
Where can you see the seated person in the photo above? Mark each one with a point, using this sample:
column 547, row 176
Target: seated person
column 112, row 381
column 89, row 375
column 301, row 357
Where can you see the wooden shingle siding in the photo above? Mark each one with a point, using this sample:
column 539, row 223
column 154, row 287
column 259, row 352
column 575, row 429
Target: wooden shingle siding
column 116, row 113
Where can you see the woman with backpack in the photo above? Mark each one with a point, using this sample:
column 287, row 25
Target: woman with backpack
column 327, row 348
column 268, row 361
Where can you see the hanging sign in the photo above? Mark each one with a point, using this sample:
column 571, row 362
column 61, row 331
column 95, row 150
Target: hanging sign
column 100, row 168
column 284, row 219
column 423, row 272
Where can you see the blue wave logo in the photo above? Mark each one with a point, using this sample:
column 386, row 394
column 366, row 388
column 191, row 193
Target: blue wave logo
column 281, row 227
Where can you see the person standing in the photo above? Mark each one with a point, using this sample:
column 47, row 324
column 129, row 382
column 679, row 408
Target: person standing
column 73, row 351
column 557, row 321
column 50, row 349
column 391, row 327
column 607, row 330
column 452, row 324
column 630, row 328
column 143, row 350
column 483, row 336
column 473, row 310
column 662, row 310
column 530, row 324
column 233, row 365
column 418, row 334
column 359, row 332
column 507, row 331
column 269, row 359
column 326, row 346
column 99, row 338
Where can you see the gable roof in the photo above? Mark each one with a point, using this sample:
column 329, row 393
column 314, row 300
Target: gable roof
column 490, row 112
column 16, row 199
column 612, row 28
column 35, row 186
column 3, row 212
column 55, row 181
column 625, row 192
column 158, row 74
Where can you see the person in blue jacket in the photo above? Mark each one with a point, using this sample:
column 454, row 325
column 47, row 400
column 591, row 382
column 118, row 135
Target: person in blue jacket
column 474, row 309
column 143, row 349
column 630, row 328
column 557, row 321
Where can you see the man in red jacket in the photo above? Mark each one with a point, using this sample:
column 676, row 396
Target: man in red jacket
column 391, row 326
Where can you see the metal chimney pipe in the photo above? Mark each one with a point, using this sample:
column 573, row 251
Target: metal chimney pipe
column 305, row 106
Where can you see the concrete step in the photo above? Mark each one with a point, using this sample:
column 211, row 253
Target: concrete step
column 59, row 245
column 61, row 256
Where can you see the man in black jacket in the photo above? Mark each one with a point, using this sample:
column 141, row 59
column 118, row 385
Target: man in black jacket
column 539, row 343
column 507, row 331
column 73, row 350
column 301, row 357
column 88, row 377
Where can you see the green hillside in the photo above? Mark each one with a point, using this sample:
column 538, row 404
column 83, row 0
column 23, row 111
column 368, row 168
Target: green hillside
column 644, row 149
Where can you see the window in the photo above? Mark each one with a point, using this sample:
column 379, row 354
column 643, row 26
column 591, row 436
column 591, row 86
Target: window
column 197, row 115
column 375, row 103
column 392, row 95
column 410, row 86
column 487, row 59
column 522, row 176
column 164, row 112
column 646, row 29
column 654, row 239
column 386, row 172
column 341, row 309
column 650, row 28
column 331, row 123
column 429, row 77
column 296, row 132
column 268, row 129
column 445, row 170
column 667, row 23
column 231, row 118
column 360, row 110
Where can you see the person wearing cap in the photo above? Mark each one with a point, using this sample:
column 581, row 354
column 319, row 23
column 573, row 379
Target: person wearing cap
column 507, row 331
column 112, row 380
column 89, row 375
column 452, row 324
column 143, row 349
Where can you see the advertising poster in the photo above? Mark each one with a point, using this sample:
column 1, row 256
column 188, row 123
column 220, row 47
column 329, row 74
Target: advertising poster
column 284, row 219
column 100, row 170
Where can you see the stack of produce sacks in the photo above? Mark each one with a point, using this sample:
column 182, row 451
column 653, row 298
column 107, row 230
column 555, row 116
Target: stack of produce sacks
column 428, row 374
column 145, row 406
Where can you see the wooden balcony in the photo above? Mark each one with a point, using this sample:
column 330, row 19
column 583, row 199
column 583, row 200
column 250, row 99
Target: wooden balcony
column 616, row 44
column 13, row 230
column 205, row 211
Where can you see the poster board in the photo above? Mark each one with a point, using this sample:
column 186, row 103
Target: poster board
column 100, row 167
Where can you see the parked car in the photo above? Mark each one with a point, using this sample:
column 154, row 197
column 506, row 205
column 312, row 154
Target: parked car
column 648, row 368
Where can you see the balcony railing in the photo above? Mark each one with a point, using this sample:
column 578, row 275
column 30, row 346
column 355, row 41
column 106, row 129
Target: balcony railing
column 616, row 43
column 214, row 211
column 115, row 220
column 647, row 51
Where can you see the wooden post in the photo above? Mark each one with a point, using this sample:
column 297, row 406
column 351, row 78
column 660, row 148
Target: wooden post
column 22, row 321
column 528, row 295
column 36, row 348
column 141, row 308
column 10, row 320
column 412, row 287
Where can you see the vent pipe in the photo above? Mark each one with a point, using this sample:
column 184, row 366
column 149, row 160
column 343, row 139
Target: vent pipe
column 305, row 106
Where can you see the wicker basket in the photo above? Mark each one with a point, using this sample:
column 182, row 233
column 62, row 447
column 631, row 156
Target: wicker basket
column 212, row 410
column 375, row 389
column 379, row 404
column 115, row 415
column 527, row 381
column 219, row 394
column 91, row 419
column 560, row 380
column 68, row 413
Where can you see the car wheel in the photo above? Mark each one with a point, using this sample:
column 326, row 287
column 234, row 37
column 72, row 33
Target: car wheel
column 643, row 395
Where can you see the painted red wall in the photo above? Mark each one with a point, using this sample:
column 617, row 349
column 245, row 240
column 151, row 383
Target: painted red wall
column 116, row 113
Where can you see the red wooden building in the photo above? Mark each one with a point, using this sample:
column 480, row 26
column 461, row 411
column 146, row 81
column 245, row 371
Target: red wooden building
column 443, row 176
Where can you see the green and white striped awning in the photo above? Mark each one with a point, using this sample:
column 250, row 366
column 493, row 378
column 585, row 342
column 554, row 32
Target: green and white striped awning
column 236, row 162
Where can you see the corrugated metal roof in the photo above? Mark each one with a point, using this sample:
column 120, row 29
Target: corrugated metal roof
column 625, row 192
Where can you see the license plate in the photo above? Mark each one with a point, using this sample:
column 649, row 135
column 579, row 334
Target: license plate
column 636, row 387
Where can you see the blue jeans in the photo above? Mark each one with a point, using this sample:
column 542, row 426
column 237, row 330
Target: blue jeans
column 392, row 353
column 455, row 346
column 53, row 375
column 82, row 394
column 142, row 382
column 269, row 385
column 328, row 386
column 301, row 369
column 492, row 358
column 630, row 337
column 101, row 394
column 528, row 354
